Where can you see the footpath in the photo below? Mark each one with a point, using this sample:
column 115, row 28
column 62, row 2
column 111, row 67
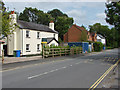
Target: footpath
column 10, row 60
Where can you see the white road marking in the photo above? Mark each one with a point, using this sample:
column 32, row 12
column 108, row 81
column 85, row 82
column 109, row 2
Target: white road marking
column 45, row 73
column 70, row 65
column 91, row 60
column 78, row 63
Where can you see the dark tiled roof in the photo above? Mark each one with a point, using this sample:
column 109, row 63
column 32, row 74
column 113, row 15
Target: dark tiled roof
column 51, row 39
column 101, row 36
column 34, row 26
column 80, row 28
column 92, row 33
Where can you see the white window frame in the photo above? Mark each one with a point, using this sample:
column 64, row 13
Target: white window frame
column 54, row 35
column 38, row 47
column 38, row 35
column 27, row 47
column 27, row 34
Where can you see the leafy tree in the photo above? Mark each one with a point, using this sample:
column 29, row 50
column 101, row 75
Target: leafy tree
column 111, row 35
column 84, row 27
column 56, row 13
column 83, row 36
column 6, row 28
column 62, row 25
column 35, row 15
column 61, row 20
column 113, row 15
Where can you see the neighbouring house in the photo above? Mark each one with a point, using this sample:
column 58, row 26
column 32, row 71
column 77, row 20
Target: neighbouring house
column 1, row 47
column 29, row 37
column 101, row 39
column 92, row 36
column 74, row 34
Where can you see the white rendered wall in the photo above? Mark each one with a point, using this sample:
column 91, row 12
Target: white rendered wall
column 53, row 42
column 18, row 41
column 33, row 40
column 10, row 46
column 1, row 48
column 103, row 41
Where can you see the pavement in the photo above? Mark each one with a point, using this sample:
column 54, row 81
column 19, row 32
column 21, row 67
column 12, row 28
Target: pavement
column 20, row 59
column 9, row 60
column 78, row 71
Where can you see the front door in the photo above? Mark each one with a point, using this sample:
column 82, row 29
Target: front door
column 5, row 49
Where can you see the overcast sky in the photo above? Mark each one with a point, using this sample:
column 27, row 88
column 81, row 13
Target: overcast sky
column 86, row 13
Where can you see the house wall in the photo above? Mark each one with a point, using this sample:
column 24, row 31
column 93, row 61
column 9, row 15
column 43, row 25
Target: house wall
column 65, row 37
column 18, row 41
column 33, row 40
column 73, row 35
column 89, row 37
column 103, row 41
column 1, row 48
column 10, row 42
column 53, row 42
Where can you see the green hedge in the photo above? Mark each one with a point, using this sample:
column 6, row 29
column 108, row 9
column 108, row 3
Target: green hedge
column 98, row 46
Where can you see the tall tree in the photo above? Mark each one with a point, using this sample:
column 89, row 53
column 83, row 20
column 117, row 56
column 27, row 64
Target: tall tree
column 61, row 20
column 62, row 25
column 56, row 13
column 113, row 15
column 109, row 34
column 35, row 15
column 83, row 36
column 6, row 28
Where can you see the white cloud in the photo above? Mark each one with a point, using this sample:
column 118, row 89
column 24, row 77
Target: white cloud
column 100, row 18
column 78, row 15
column 100, row 15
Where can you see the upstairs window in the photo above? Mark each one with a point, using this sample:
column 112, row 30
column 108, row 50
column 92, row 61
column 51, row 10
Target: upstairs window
column 54, row 35
column 38, row 34
column 27, row 34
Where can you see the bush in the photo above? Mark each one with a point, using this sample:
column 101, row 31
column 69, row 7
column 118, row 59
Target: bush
column 109, row 47
column 98, row 46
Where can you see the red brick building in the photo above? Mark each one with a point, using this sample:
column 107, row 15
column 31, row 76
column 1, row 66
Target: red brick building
column 74, row 34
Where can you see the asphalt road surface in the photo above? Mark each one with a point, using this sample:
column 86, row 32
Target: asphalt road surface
column 65, row 72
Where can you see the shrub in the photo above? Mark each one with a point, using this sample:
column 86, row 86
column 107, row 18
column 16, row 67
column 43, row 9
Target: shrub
column 98, row 46
column 109, row 47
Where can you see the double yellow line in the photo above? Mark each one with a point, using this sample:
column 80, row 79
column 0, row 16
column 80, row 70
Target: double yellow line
column 103, row 76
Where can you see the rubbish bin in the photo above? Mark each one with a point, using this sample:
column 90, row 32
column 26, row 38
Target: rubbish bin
column 16, row 53
column 103, row 47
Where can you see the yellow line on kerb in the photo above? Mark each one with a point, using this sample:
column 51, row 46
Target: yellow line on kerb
column 103, row 76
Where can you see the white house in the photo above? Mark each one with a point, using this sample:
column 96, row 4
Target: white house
column 1, row 47
column 101, row 39
column 29, row 37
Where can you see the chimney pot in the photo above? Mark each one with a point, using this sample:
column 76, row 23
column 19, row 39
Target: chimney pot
column 12, row 12
column 51, row 22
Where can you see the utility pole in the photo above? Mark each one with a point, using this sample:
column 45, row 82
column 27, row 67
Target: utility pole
column 2, row 56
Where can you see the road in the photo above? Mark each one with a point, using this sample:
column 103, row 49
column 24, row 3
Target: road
column 65, row 72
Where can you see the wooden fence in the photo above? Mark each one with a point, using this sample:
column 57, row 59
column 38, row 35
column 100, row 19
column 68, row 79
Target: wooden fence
column 52, row 52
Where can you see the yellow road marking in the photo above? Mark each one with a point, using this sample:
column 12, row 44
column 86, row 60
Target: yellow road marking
column 103, row 76
column 113, row 60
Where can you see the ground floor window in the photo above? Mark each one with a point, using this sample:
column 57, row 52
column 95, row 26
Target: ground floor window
column 38, row 47
column 27, row 47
